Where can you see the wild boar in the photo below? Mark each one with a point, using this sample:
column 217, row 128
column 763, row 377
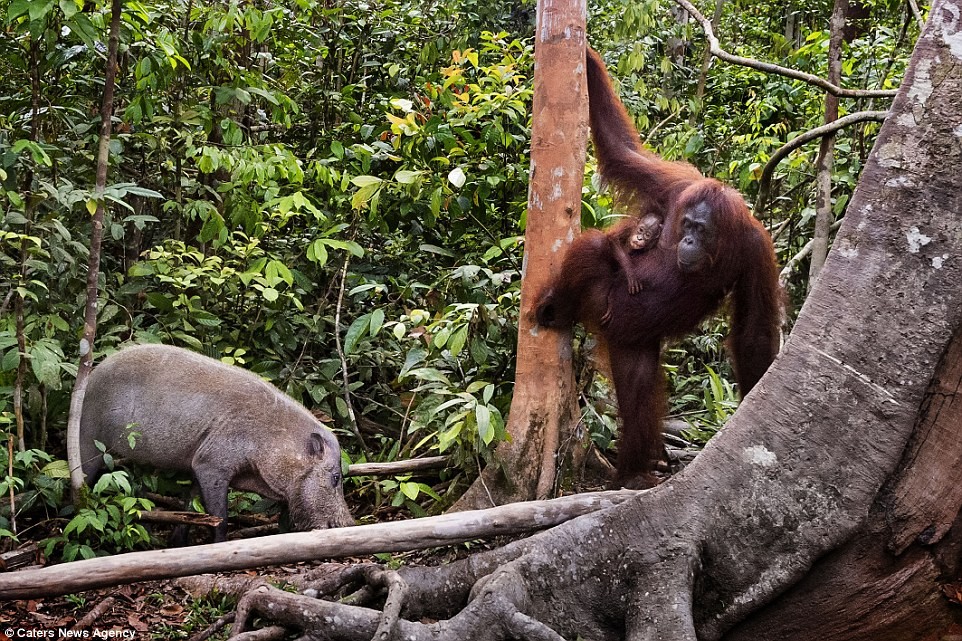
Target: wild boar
column 224, row 425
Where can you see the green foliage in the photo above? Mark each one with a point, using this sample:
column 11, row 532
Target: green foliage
column 39, row 483
column 108, row 523
column 261, row 157
column 717, row 403
column 202, row 613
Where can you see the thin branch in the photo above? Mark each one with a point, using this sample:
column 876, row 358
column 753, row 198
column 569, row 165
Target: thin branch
column 88, row 339
column 798, row 141
column 802, row 253
column 340, row 352
column 768, row 67
column 13, row 500
column 918, row 14
column 94, row 614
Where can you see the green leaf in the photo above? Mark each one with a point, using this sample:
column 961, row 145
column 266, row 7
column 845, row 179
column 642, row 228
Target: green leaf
column 355, row 332
column 270, row 294
column 263, row 93
column 410, row 490
column 456, row 343
column 412, row 358
column 365, row 181
column 69, row 8
column 377, row 320
column 317, row 252
column 430, row 375
column 437, row 199
column 39, row 9
column 488, row 393
column 16, row 9
column 365, row 194
column 406, row 177
column 280, row 270
column 46, row 365
column 10, row 361
column 485, row 429
column 434, row 249
column 58, row 469
column 160, row 301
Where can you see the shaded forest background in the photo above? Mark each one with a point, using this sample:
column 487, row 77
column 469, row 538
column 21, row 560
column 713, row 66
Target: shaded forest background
column 332, row 194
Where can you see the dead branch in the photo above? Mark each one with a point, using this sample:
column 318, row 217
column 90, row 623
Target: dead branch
column 14, row 559
column 254, row 531
column 417, row 534
column 273, row 633
column 94, row 614
column 320, row 579
column 768, row 67
column 397, row 467
column 234, row 584
column 168, row 502
column 764, row 183
column 179, row 518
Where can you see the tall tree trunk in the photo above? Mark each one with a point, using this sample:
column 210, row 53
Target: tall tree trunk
column 706, row 59
column 93, row 265
column 20, row 301
column 544, row 406
column 826, row 149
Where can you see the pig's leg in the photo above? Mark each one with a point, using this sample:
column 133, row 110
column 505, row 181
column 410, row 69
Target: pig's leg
column 213, row 482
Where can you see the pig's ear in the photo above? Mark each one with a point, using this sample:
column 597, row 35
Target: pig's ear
column 315, row 445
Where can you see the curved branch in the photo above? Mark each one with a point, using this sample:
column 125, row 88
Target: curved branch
column 764, row 183
column 768, row 67
column 797, row 258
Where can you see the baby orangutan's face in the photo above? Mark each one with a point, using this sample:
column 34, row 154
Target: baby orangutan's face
column 646, row 234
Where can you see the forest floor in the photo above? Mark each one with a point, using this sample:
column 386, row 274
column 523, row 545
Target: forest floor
column 151, row 610
column 176, row 609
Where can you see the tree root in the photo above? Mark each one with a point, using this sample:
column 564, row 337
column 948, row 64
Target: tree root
column 495, row 613
column 396, row 591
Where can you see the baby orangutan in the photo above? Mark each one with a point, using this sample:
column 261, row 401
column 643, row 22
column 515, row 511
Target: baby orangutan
column 630, row 238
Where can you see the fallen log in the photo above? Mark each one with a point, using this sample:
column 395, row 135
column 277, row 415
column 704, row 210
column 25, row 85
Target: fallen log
column 397, row 467
column 399, row 536
column 179, row 518
column 27, row 555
